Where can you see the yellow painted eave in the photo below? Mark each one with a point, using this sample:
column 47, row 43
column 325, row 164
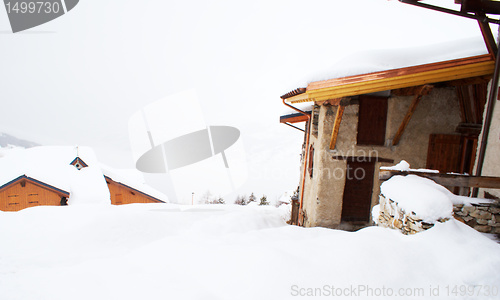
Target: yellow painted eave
column 408, row 80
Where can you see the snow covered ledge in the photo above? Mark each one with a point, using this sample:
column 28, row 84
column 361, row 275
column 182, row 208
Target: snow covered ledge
column 412, row 204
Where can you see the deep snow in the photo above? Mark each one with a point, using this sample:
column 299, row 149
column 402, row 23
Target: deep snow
column 166, row 251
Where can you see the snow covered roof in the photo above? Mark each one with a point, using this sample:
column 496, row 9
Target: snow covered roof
column 52, row 166
column 37, row 182
column 382, row 70
column 132, row 179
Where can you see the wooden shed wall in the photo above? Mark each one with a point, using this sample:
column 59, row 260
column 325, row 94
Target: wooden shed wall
column 123, row 195
column 24, row 194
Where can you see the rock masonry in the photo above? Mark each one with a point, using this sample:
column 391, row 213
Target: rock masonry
column 483, row 217
column 393, row 216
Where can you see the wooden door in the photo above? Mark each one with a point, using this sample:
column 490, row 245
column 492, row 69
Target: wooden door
column 356, row 203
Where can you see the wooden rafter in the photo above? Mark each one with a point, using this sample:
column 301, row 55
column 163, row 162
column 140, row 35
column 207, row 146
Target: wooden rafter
column 448, row 179
column 489, row 40
column 336, row 126
column 293, row 118
column 445, row 71
column 424, row 90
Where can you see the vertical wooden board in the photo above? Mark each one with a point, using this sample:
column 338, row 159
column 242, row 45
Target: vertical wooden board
column 372, row 120
column 356, row 202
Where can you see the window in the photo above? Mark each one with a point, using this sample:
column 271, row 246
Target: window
column 310, row 165
column 372, row 120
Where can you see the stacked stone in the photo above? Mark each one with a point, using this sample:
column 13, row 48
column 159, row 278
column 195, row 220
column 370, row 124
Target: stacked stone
column 392, row 216
column 483, row 217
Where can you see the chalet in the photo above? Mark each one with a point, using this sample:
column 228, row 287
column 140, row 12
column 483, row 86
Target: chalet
column 24, row 191
column 54, row 176
column 124, row 191
column 430, row 115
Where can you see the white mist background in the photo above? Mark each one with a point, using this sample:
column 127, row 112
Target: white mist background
column 78, row 79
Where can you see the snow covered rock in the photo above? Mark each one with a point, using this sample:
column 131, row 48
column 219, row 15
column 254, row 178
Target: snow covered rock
column 412, row 204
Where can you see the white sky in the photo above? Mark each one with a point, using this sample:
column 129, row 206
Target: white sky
column 79, row 78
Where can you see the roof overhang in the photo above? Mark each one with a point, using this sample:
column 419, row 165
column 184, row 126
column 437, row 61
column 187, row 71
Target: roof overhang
column 395, row 79
column 133, row 189
column 39, row 183
column 294, row 118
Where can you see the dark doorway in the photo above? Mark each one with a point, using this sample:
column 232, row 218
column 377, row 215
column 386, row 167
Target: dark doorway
column 356, row 203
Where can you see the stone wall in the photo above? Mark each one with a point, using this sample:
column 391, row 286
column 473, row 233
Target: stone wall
column 437, row 112
column 483, row 217
column 393, row 216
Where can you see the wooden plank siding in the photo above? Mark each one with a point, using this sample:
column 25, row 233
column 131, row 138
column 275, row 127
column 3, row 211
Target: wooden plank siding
column 24, row 193
column 356, row 203
column 123, row 194
column 445, row 153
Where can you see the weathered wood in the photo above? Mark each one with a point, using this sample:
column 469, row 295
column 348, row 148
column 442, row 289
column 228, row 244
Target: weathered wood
column 424, row 89
column 469, row 81
column 372, row 120
column 336, row 126
column 410, row 91
column 363, row 159
column 448, row 179
column 489, row 40
column 294, row 118
column 408, row 71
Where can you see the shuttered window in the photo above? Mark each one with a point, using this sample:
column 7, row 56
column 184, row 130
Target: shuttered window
column 444, row 152
column 310, row 166
column 372, row 120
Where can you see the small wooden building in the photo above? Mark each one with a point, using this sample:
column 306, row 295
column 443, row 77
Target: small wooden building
column 23, row 192
column 123, row 194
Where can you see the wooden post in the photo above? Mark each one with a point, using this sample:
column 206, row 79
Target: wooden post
column 488, row 38
column 336, row 126
column 423, row 91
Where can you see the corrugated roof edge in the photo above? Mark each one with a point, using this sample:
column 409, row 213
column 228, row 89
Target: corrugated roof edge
column 293, row 93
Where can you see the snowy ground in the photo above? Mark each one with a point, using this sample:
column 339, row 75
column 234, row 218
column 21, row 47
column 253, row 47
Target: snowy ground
column 165, row 251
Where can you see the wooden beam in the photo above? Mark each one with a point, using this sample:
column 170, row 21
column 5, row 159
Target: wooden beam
column 424, row 90
column 448, row 179
column 489, row 40
column 469, row 81
column 363, row 159
column 409, row 91
column 293, row 118
column 336, row 126
column 400, row 78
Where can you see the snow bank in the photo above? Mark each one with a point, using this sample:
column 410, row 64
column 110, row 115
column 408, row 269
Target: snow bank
column 164, row 251
column 427, row 199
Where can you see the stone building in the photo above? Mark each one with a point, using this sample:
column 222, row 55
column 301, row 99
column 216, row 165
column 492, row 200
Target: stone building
column 429, row 115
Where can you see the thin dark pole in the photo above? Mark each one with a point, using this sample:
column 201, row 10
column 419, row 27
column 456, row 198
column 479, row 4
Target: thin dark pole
column 487, row 121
